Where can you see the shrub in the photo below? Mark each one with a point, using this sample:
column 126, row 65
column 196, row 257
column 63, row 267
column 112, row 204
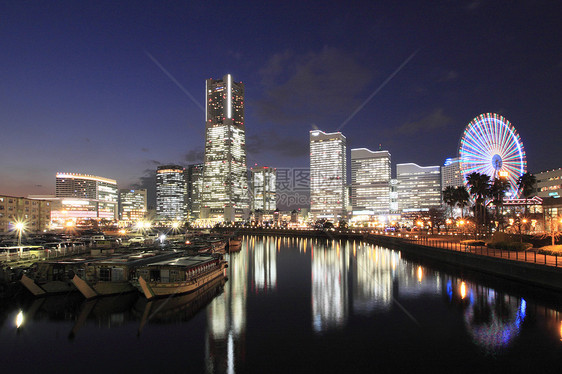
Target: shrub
column 473, row 242
column 510, row 246
column 553, row 250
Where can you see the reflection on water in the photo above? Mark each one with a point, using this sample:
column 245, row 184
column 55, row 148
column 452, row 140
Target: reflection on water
column 349, row 281
column 226, row 316
column 330, row 264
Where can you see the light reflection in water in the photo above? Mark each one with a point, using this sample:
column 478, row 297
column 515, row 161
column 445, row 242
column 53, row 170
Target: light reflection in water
column 329, row 286
column 265, row 265
column 226, row 316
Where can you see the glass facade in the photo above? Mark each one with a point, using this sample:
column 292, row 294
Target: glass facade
column 419, row 187
column 194, row 184
column 132, row 204
column 97, row 195
column 370, row 181
column 263, row 188
column 225, row 179
column 328, row 174
column 171, row 192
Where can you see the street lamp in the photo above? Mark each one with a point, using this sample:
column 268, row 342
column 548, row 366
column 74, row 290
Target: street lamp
column 19, row 227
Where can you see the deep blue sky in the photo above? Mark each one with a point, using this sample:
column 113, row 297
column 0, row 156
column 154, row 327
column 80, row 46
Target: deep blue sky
column 82, row 85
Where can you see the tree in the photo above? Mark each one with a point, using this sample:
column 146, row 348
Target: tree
column 497, row 192
column 462, row 198
column 449, row 197
column 526, row 184
column 479, row 187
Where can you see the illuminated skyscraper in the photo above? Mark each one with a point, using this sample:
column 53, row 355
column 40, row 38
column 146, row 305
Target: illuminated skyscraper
column 419, row 187
column 132, row 204
column 370, row 181
column 194, row 184
column 451, row 173
column 263, row 188
column 328, row 186
column 171, row 192
column 225, row 178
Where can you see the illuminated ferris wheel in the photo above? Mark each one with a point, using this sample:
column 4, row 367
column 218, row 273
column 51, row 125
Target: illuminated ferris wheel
column 491, row 145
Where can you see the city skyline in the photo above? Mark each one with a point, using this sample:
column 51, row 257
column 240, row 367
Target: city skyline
column 98, row 88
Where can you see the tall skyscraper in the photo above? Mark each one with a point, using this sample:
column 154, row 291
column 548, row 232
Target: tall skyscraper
column 370, row 181
column 328, row 186
column 194, row 185
column 419, row 187
column 225, row 178
column 171, row 192
column 451, row 175
column 132, row 204
column 263, row 188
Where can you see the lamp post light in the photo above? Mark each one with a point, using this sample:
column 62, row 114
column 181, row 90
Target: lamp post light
column 19, row 227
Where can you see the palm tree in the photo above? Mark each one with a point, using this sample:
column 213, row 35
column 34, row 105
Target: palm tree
column 462, row 198
column 526, row 184
column 449, row 197
column 497, row 192
column 479, row 187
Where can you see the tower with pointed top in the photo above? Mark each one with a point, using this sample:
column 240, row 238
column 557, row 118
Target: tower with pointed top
column 225, row 179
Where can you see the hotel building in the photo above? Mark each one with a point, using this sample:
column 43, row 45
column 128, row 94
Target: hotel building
column 225, row 180
column 370, row 181
column 132, row 204
column 451, row 175
column 263, row 188
column 83, row 197
column 171, row 193
column 35, row 214
column 194, row 185
column 419, row 187
column 328, row 175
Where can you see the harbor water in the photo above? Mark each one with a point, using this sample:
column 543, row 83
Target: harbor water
column 301, row 305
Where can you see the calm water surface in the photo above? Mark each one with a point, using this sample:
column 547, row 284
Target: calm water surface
column 296, row 305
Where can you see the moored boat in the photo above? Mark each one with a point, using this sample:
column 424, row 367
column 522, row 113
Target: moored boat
column 180, row 275
column 52, row 277
column 114, row 276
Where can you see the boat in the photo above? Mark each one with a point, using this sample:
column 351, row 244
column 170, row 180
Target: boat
column 179, row 275
column 178, row 308
column 234, row 243
column 114, row 276
column 52, row 277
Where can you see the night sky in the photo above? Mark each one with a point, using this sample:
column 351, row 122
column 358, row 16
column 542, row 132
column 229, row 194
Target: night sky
column 116, row 88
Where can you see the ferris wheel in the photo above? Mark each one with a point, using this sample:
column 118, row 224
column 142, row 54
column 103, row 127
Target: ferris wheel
column 491, row 145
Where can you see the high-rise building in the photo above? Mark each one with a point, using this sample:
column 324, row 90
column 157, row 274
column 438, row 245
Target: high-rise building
column 225, row 179
column 328, row 186
column 451, row 175
column 83, row 196
column 194, row 184
column 263, row 190
column 419, row 187
column 132, row 204
column 370, row 181
column 171, row 192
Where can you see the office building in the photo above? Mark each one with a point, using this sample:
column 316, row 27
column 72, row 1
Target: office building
column 132, row 204
column 328, row 175
column 370, row 181
column 419, row 187
column 171, row 193
column 263, row 190
column 34, row 214
column 549, row 183
column 224, row 195
column 451, row 175
column 194, row 185
column 83, row 197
